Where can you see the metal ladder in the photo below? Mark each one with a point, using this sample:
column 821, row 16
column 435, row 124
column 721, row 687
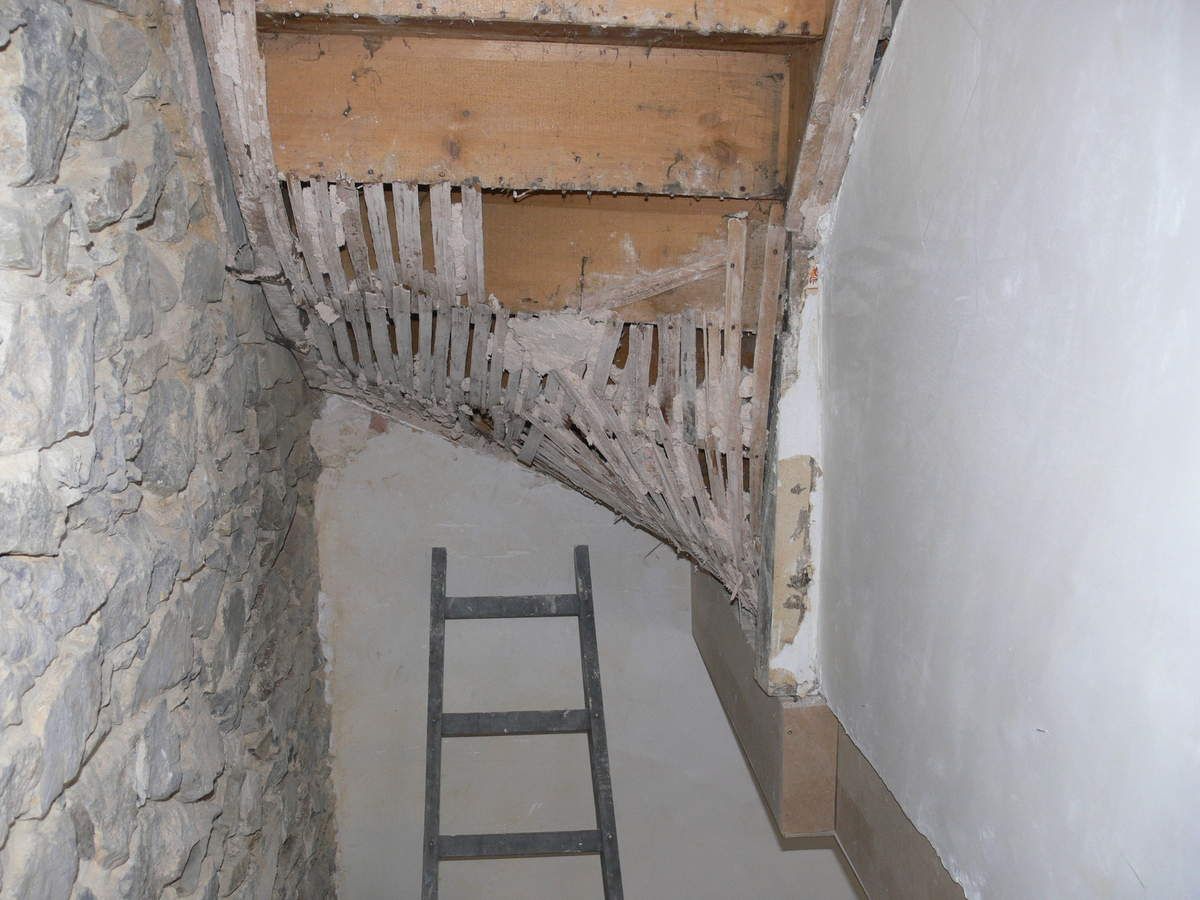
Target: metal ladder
column 603, row 838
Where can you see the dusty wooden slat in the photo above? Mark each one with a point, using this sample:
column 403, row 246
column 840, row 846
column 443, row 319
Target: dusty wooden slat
column 687, row 374
column 344, row 207
column 402, row 318
column 669, row 486
column 442, row 214
column 345, row 349
column 472, row 226
column 764, row 341
column 511, row 386
column 424, row 355
column 283, row 239
column 460, row 334
column 322, row 338
column 356, row 242
column 308, row 227
column 789, row 19
column 381, row 235
column 668, row 366
column 713, row 377
column 842, row 76
column 327, row 236
column 441, row 349
column 407, row 202
column 641, row 384
column 601, row 363
column 547, row 410
column 717, row 489
column 496, row 351
column 629, row 405
column 481, row 324
column 731, row 375
column 735, row 503
column 604, row 428
column 380, row 342
column 722, row 134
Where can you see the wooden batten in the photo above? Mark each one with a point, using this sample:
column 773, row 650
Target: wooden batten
column 847, row 55
column 507, row 114
column 788, row 19
column 792, row 748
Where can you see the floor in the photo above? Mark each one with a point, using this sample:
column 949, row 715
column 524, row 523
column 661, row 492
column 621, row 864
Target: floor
column 689, row 820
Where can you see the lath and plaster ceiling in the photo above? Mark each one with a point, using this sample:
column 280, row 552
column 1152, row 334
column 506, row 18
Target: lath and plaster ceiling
column 368, row 220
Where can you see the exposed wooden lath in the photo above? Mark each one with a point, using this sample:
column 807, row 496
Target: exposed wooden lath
column 656, row 421
column 661, row 421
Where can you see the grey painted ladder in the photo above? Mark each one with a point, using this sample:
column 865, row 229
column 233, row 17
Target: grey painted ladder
column 603, row 838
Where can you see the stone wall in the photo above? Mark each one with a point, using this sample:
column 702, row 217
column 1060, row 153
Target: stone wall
column 161, row 693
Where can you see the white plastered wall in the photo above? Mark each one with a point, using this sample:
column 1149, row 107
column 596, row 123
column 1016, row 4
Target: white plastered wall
column 1011, row 564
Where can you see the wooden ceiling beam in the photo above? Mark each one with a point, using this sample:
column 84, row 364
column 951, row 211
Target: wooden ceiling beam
column 847, row 56
column 528, row 116
column 790, row 18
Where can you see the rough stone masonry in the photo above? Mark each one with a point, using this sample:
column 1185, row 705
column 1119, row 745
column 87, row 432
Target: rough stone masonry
column 163, row 729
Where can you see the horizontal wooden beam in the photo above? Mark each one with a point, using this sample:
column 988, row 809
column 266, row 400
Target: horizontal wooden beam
column 764, row 17
column 523, row 115
column 539, row 31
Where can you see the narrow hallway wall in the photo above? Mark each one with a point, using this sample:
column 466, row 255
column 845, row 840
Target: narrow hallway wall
column 690, row 821
column 1012, row 446
column 162, row 724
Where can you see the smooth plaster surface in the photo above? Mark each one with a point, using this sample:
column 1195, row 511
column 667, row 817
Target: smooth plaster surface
column 690, row 821
column 1011, row 562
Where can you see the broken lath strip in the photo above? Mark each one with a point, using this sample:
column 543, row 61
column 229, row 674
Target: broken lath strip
column 664, row 423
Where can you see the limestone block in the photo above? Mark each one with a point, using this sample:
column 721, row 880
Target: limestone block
column 168, row 451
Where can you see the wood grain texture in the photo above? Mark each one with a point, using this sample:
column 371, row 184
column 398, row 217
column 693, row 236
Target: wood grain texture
column 521, row 115
column 549, row 252
column 787, row 17
column 847, row 54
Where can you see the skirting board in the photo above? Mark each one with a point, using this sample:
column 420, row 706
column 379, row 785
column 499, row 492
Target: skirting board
column 812, row 777
column 892, row 860
column 791, row 747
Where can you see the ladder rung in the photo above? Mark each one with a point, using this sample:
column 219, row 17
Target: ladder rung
column 515, row 607
column 483, row 724
column 531, row 843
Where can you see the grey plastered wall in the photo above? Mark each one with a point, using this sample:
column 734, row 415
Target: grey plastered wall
column 161, row 700
column 690, row 822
